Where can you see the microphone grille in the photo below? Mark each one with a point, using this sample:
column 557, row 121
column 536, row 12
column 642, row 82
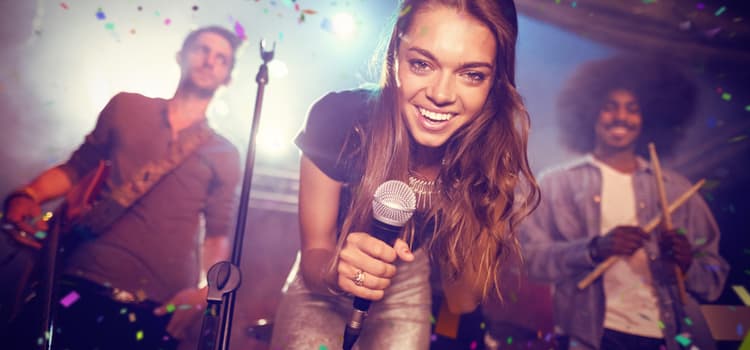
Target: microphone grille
column 393, row 203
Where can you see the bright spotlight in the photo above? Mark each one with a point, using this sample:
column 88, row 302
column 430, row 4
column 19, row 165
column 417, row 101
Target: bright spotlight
column 343, row 25
column 278, row 69
column 273, row 141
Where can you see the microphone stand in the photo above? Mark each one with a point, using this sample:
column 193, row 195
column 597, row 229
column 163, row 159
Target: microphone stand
column 225, row 279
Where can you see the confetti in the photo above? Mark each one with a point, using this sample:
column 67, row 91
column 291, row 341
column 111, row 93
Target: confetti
column 509, row 340
column 100, row 14
column 170, row 308
column 688, row 321
column 737, row 138
column 195, row 7
column 131, row 317
column 682, row 339
column 433, row 337
column 239, row 30
column 40, row 235
column 69, row 299
column 64, row 6
column 661, row 324
column 322, row 347
column 405, row 11
column 123, row 311
column 109, row 26
column 726, row 96
column 720, row 11
column 473, row 345
column 167, row 21
column 747, row 108
column 139, row 335
column 309, row 12
column 742, row 293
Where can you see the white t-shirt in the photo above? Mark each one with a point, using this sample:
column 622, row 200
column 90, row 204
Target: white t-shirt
column 631, row 304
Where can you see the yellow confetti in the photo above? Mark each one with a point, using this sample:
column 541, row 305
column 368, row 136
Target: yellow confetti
column 742, row 293
column 139, row 335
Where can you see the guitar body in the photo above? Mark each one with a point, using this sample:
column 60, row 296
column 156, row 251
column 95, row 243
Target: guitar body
column 37, row 268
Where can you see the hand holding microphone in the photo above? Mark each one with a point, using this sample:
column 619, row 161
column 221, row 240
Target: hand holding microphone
column 365, row 267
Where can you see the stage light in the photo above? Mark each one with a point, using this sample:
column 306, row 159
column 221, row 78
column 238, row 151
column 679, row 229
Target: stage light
column 278, row 69
column 343, row 25
column 273, row 140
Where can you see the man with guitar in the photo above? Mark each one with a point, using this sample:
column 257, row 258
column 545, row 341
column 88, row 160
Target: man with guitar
column 133, row 248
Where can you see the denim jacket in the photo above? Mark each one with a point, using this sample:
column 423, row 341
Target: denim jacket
column 555, row 237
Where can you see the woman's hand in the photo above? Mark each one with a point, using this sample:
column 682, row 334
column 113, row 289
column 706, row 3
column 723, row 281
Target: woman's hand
column 365, row 266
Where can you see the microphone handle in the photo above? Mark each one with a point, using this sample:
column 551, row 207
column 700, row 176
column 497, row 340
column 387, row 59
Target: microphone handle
column 388, row 234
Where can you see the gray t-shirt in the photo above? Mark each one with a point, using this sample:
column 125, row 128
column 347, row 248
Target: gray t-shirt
column 154, row 248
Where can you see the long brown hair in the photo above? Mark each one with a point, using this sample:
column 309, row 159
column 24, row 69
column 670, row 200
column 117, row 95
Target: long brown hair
column 486, row 183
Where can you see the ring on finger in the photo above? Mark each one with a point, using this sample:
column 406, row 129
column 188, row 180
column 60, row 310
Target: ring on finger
column 359, row 278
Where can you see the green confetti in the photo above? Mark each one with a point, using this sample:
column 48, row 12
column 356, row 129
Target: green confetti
column 510, row 340
column 123, row 311
column 170, row 308
column 139, row 335
column 40, row 235
column 726, row 96
column 720, row 11
column 683, row 340
column 109, row 26
column 747, row 108
column 322, row 347
column 661, row 324
column 688, row 321
column 681, row 230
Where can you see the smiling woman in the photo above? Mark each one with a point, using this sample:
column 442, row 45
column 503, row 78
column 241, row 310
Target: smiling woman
column 446, row 118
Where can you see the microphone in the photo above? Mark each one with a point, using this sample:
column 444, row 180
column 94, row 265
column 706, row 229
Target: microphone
column 392, row 206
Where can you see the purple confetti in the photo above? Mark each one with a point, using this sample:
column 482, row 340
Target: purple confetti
column 69, row 299
column 100, row 15
column 239, row 30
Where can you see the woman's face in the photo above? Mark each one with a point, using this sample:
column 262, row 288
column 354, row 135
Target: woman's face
column 445, row 69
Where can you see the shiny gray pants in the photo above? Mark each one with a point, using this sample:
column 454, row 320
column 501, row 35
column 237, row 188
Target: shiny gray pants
column 401, row 320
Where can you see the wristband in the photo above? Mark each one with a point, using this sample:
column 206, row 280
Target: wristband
column 24, row 192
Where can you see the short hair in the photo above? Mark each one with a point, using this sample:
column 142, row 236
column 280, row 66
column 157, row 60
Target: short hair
column 666, row 95
column 230, row 37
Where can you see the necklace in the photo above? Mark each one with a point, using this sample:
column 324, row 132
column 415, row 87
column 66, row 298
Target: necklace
column 423, row 189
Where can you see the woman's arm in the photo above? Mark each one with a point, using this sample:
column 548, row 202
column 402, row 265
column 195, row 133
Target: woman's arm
column 318, row 212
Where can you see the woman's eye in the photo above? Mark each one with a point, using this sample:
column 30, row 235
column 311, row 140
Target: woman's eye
column 475, row 77
column 419, row 66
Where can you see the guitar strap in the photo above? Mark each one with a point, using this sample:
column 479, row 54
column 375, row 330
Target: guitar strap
column 114, row 203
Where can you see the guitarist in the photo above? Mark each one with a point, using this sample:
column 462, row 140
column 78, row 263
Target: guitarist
column 133, row 284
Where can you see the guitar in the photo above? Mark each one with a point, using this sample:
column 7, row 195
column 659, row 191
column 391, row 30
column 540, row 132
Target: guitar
column 39, row 253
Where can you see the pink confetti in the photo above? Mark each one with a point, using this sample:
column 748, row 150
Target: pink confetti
column 239, row 30
column 167, row 21
column 64, row 5
column 69, row 299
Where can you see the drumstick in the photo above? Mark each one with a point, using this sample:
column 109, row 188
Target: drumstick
column 650, row 226
column 665, row 214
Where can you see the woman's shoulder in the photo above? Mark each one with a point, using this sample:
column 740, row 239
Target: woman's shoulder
column 342, row 105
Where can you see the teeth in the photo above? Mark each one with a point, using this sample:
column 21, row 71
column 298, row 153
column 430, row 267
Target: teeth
column 434, row 115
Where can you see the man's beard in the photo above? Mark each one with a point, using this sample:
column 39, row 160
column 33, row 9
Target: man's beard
column 188, row 85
